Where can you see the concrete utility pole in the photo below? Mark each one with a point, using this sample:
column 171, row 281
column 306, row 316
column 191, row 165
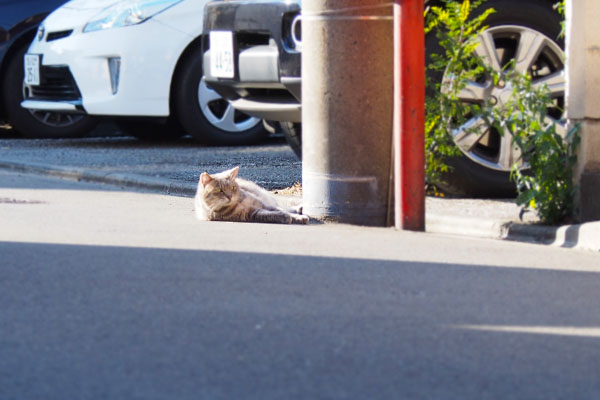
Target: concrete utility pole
column 583, row 99
column 347, row 108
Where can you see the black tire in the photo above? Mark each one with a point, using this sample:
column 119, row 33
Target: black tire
column 37, row 124
column 241, row 130
column 292, row 131
column 468, row 177
column 149, row 129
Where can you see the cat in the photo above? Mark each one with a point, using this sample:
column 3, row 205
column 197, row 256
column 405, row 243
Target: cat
column 225, row 197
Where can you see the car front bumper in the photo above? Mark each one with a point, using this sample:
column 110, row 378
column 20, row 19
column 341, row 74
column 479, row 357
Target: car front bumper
column 121, row 71
column 266, row 56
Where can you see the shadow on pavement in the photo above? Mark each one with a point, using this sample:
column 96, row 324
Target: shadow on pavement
column 6, row 132
column 119, row 322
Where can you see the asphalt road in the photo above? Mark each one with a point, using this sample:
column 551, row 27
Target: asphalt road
column 112, row 294
column 271, row 164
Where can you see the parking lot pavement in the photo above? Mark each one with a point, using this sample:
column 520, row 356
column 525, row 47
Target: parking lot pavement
column 174, row 167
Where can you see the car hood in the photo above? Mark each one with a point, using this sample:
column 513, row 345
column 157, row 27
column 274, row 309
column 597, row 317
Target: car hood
column 89, row 4
column 75, row 14
column 185, row 16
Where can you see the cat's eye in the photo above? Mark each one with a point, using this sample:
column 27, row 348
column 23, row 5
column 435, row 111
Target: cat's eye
column 233, row 188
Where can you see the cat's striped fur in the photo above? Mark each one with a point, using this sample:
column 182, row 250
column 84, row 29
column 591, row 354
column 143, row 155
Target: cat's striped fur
column 225, row 197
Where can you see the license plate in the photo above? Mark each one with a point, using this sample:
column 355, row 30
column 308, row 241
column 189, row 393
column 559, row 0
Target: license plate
column 32, row 69
column 221, row 50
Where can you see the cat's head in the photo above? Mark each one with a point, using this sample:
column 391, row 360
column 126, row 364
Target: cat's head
column 221, row 189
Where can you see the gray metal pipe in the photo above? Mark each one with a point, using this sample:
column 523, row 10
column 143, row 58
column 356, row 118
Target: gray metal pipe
column 347, row 110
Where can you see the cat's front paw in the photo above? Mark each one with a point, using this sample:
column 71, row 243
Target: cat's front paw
column 296, row 209
column 299, row 219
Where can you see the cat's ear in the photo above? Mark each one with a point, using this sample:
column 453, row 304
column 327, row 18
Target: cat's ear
column 205, row 179
column 234, row 173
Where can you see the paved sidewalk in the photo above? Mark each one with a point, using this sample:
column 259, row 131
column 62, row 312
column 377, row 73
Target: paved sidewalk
column 495, row 219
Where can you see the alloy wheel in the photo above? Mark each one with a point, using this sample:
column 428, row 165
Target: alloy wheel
column 220, row 113
column 52, row 119
column 57, row 120
column 532, row 52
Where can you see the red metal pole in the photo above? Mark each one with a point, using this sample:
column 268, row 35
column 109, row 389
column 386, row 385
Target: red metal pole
column 409, row 115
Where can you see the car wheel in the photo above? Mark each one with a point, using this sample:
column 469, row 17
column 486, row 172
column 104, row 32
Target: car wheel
column 524, row 31
column 206, row 115
column 292, row 131
column 37, row 124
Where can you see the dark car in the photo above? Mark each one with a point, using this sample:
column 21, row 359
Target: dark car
column 19, row 22
column 266, row 57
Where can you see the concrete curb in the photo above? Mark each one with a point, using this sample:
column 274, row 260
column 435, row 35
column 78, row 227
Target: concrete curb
column 584, row 236
column 113, row 178
column 581, row 236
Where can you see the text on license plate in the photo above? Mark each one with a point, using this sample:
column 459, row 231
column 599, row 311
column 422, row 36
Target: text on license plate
column 221, row 50
column 32, row 69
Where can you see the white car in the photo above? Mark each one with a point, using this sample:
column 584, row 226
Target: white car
column 132, row 58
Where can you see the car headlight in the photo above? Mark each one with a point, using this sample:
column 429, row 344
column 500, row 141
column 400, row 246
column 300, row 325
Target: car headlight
column 127, row 13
